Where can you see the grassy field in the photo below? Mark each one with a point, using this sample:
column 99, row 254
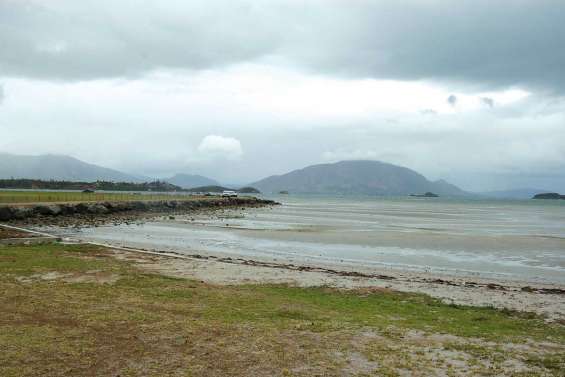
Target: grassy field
column 76, row 310
column 69, row 196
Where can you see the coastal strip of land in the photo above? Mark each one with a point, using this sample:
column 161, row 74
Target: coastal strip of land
column 544, row 299
column 80, row 309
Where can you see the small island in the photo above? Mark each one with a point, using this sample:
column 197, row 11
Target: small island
column 283, row 192
column 426, row 195
column 549, row 195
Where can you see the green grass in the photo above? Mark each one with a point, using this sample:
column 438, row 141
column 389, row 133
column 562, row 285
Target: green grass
column 24, row 261
column 149, row 324
column 71, row 196
column 330, row 308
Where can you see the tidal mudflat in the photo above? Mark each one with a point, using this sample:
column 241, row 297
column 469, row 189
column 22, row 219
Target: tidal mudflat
column 510, row 240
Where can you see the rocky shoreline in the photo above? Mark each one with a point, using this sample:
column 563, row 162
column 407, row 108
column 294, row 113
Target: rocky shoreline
column 90, row 213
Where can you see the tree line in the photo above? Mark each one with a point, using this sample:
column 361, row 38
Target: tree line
column 36, row 184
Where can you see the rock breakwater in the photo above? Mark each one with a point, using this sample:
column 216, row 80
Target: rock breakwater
column 21, row 212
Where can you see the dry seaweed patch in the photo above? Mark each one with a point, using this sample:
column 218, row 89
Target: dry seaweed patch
column 56, row 318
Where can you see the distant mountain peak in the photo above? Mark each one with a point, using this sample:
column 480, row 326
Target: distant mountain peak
column 188, row 181
column 57, row 167
column 365, row 177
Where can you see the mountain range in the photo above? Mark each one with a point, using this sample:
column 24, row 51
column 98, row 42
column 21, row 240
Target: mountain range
column 59, row 168
column 356, row 177
column 345, row 177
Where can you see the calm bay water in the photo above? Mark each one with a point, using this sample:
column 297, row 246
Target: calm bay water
column 523, row 240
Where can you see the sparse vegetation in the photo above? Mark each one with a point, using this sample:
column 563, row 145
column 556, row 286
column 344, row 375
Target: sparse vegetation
column 37, row 184
column 73, row 196
column 76, row 310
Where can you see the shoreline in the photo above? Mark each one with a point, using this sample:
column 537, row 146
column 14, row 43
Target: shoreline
column 174, row 235
column 346, row 269
column 547, row 300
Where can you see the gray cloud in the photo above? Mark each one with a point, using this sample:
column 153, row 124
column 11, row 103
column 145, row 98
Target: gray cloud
column 100, row 39
column 64, row 50
column 478, row 43
column 158, row 135
column 452, row 100
column 487, row 101
column 428, row 112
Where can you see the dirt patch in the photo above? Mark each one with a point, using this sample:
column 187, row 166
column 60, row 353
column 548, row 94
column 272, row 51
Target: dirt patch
column 356, row 363
column 417, row 353
column 93, row 276
column 6, row 233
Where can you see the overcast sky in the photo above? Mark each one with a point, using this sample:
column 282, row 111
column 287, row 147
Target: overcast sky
column 470, row 91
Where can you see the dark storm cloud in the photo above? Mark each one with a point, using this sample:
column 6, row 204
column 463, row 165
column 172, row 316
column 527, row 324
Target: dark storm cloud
column 484, row 43
column 98, row 39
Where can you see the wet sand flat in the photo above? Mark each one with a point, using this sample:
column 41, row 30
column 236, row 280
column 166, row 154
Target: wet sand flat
column 491, row 239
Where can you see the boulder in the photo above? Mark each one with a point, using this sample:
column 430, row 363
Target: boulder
column 67, row 209
column 140, row 206
column 81, row 208
column 109, row 206
column 6, row 213
column 48, row 210
column 118, row 207
column 97, row 208
column 21, row 213
column 171, row 203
